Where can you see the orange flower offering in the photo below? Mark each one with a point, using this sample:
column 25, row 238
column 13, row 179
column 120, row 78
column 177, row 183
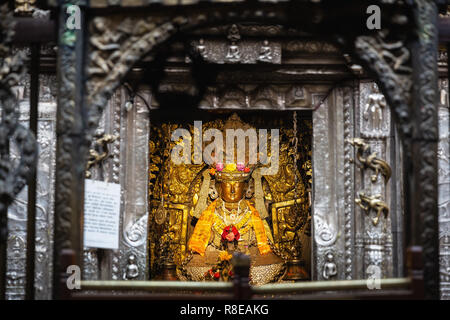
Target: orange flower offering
column 212, row 171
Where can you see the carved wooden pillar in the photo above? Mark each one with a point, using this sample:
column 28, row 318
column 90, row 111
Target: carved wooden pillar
column 422, row 174
column 71, row 145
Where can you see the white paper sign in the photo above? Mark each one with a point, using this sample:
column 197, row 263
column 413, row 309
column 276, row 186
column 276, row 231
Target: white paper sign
column 101, row 214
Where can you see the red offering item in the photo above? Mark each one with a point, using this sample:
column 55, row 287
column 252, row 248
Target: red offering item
column 227, row 231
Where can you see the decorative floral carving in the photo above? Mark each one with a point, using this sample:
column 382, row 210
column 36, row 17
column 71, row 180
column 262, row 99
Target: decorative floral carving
column 424, row 202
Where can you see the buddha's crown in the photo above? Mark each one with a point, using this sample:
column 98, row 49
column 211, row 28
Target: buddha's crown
column 230, row 172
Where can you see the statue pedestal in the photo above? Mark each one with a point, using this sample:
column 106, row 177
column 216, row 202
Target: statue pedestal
column 170, row 272
column 296, row 271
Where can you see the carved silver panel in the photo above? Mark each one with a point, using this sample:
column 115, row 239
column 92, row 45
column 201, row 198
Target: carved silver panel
column 378, row 245
column 444, row 190
column 329, row 198
column 17, row 213
column 134, row 134
column 257, row 96
column 127, row 165
column 374, row 113
column 245, row 52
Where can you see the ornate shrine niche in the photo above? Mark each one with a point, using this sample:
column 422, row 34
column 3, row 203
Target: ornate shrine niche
column 181, row 186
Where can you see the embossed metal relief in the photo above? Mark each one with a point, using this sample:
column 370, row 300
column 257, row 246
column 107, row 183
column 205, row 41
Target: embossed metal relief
column 114, row 48
column 349, row 236
column 375, row 117
column 386, row 57
column 258, row 96
column 329, row 267
column 332, row 205
column 390, row 60
column 13, row 178
column 126, row 131
column 99, row 152
column 15, row 169
column 375, row 203
column 444, row 189
column 378, row 207
column 238, row 50
column 135, row 128
column 17, row 212
column 369, row 160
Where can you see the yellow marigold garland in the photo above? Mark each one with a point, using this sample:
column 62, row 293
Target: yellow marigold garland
column 224, row 256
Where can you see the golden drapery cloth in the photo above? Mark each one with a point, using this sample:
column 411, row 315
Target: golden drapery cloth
column 202, row 231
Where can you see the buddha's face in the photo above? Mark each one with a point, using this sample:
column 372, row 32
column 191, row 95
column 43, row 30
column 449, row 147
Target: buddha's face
column 232, row 191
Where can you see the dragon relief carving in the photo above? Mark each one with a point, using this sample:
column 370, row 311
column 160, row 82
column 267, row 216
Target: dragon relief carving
column 374, row 203
column 100, row 152
column 370, row 160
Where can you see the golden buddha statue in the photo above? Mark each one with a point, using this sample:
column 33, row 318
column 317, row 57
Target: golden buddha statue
column 229, row 224
column 201, row 213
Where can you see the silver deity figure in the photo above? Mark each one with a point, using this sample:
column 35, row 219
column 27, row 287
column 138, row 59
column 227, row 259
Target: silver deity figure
column 329, row 268
column 201, row 48
column 373, row 111
column 132, row 271
column 265, row 53
column 233, row 54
